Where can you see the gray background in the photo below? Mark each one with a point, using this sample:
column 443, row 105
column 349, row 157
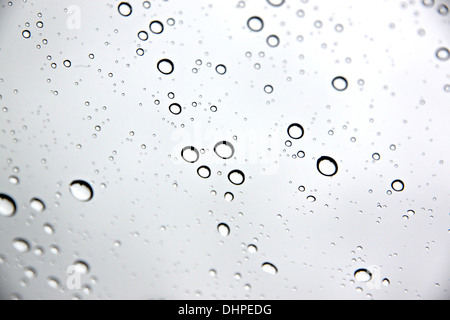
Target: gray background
column 153, row 202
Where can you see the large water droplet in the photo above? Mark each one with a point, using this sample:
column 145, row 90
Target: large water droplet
column 81, row 190
column 190, row 154
column 255, row 24
column 156, row 27
column 7, row 206
column 81, row 267
column 269, row 268
column 398, row 185
column 21, row 245
column 296, row 131
column 224, row 150
column 327, row 166
column 236, row 177
column 37, row 205
column 125, row 9
column 204, row 172
column 340, row 83
column 363, row 275
column 224, row 230
column 166, row 66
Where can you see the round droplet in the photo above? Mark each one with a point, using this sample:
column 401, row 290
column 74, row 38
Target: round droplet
column 229, row 197
column 398, row 185
column 376, row 156
column 443, row 54
column 53, row 283
column 37, row 205
column 81, row 190
column 21, row 245
column 67, row 63
column 386, row 282
column 255, row 24
column 273, row 41
column 221, row 69
column 269, row 268
column 48, row 229
column 428, row 3
column 165, row 66
column 276, row 3
column 204, row 172
column 223, row 229
column 268, row 89
column 296, row 131
column 363, row 275
column 125, row 9
column 14, row 180
column 81, row 267
column 327, row 166
column 156, row 27
column 224, row 150
column 236, row 177
column 443, row 9
column 26, row 34
column 30, row 273
column 175, row 109
column 190, row 154
column 252, row 249
column 7, row 206
column 143, row 35
column 340, row 83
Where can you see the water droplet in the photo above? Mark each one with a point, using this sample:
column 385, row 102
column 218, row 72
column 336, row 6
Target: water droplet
column 296, row 131
column 327, row 166
column 26, row 34
column 398, row 185
column 67, row 63
column 268, row 89
column 156, row 27
column 376, row 156
column 21, row 245
column 236, row 177
column 175, row 108
column 81, row 267
column 255, row 24
column 221, row 69
column 363, row 275
column 443, row 9
column 14, row 180
column 190, row 154
column 224, row 150
column 49, row 229
column 53, row 282
column 81, row 190
column 7, row 206
column 143, row 35
column 340, row 83
column 252, row 249
column 443, row 54
column 229, row 197
column 386, row 282
column 37, row 205
column 165, row 66
column 428, row 3
column 30, row 273
column 273, row 41
column 276, row 3
column 125, row 9
column 204, row 172
column 269, row 268
column 223, row 229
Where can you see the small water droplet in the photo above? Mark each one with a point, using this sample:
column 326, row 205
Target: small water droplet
column 223, row 229
column 269, row 268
